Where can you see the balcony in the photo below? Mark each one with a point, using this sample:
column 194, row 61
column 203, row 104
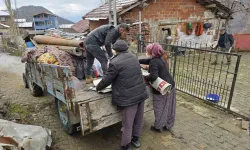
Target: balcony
column 43, row 19
column 44, row 27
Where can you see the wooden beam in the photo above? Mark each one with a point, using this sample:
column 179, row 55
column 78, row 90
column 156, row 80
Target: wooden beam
column 211, row 6
column 131, row 7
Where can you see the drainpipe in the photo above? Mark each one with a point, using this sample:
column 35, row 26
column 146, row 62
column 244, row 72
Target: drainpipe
column 218, row 36
column 114, row 12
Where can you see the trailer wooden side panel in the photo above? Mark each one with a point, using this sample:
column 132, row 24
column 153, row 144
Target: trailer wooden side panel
column 100, row 113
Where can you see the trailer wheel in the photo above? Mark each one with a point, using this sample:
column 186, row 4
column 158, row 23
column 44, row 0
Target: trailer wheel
column 64, row 117
column 26, row 85
column 35, row 89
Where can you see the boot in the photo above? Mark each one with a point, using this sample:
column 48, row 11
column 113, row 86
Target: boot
column 127, row 147
column 135, row 142
column 89, row 79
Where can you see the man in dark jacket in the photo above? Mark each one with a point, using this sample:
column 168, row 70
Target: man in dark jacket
column 225, row 44
column 128, row 92
column 103, row 36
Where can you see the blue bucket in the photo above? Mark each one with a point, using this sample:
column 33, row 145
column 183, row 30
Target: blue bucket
column 29, row 44
column 213, row 98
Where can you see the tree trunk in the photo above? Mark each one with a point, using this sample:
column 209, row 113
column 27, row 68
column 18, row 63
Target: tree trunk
column 228, row 25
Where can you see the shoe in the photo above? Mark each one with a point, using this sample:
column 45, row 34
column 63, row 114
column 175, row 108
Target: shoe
column 135, row 142
column 156, row 130
column 123, row 148
column 89, row 79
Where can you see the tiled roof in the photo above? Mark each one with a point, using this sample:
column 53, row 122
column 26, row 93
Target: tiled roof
column 102, row 12
column 20, row 20
column 25, row 24
column 65, row 26
column 47, row 13
column 2, row 13
column 81, row 26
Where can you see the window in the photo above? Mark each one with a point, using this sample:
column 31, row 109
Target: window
column 3, row 19
column 49, row 22
column 40, row 23
column 40, row 17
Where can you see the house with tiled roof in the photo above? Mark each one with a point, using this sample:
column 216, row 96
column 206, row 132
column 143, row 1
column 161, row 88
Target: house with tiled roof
column 4, row 22
column 157, row 15
column 81, row 26
column 160, row 14
column 45, row 20
column 4, row 17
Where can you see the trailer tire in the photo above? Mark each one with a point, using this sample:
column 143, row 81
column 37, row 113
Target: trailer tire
column 26, row 85
column 64, row 117
column 35, row 89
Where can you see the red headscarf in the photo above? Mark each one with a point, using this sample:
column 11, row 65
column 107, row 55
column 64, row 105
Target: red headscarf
column 155, row 50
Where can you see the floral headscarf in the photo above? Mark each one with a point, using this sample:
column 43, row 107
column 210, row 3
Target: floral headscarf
column 155, row 50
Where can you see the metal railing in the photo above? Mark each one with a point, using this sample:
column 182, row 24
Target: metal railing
column 196, row 73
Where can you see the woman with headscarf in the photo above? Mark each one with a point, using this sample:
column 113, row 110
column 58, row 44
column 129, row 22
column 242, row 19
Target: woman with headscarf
column 164, row 105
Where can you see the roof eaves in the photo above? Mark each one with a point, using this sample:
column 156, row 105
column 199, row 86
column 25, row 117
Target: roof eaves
column 103, row 10
column 45, row 13
column 96, row 19
column 220, row 7
column 131, row 7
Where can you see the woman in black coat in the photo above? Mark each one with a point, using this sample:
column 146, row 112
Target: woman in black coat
column 164, row 105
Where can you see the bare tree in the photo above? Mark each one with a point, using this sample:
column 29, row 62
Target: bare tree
column 236, row 6
column 13, row 40
column 13, row 28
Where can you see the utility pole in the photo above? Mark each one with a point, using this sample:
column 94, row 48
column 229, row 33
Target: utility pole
column 112, row 12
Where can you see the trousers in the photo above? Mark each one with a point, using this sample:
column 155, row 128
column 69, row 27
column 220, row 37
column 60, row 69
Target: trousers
column 223, row 50
column 132, row 119
column 93, row 50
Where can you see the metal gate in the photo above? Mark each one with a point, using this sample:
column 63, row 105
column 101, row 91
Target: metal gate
column 196, row 74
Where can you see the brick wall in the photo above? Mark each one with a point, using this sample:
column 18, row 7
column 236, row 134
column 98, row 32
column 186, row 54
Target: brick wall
column 95, row 24
column 165, row 14
column 134, row 30
column 161, row 10
column 170, row 9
